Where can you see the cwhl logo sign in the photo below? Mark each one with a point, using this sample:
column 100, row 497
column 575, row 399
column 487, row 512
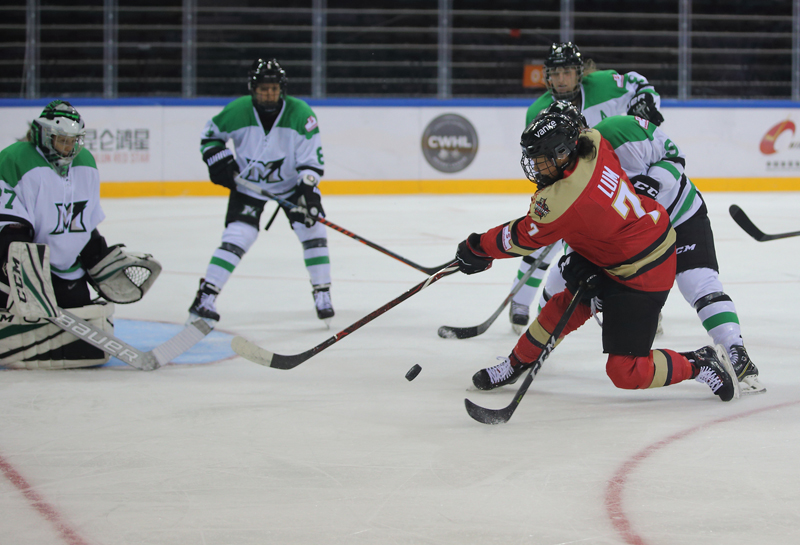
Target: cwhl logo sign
column 767, row 146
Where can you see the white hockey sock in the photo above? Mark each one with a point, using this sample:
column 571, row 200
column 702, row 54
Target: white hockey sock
column 221, row 267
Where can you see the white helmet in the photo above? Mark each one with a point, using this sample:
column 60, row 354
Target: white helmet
column 58, row 133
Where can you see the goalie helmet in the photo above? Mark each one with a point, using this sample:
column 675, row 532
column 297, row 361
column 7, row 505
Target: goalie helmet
column 563, row 55
column 58, row 132
column 269, row 71
column 553, row 136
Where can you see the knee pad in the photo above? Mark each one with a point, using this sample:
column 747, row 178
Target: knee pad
column 240, row 235
column 630, row 372
column 304, row 233
column 697, row 283
column 44, row 345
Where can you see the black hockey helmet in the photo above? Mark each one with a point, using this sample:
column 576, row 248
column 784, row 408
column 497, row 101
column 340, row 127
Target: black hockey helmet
column 563, row 55
column 567, row 109
column 551, row 135
column 267, row 71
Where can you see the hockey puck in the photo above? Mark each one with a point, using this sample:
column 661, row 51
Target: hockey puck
column 413, row 372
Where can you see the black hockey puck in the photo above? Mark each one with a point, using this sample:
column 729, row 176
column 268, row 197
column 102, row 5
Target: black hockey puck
column 413, row 372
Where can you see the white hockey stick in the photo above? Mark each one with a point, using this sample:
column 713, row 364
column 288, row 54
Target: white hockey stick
column 144, row 361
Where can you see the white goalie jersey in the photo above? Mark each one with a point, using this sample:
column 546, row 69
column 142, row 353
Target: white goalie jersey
column 276, row 158
column 62, row 211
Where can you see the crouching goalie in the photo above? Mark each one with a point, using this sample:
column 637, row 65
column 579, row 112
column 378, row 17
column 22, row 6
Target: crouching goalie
column 51, row 250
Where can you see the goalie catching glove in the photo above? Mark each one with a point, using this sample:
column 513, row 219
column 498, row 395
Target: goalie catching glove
column 123, row 277
column 308, row 201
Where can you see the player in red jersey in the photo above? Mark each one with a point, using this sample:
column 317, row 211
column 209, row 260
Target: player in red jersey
column 624, row 250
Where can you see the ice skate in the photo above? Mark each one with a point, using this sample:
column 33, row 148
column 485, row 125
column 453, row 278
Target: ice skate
column 501, row 374
column 746, row 371
column 713, row 367
column 204, row 305
column 322, row 300
column 518, row 314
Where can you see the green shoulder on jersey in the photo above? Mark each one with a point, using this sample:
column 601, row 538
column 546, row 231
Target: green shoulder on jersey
column 240, row 114
column 21, row 157
column 619, row 129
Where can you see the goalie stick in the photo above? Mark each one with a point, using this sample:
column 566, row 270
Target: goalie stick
column 144, row 361
column 749, row 227
column 259, row 355
column 283, row 202
column 501, row 416
column 450, row 332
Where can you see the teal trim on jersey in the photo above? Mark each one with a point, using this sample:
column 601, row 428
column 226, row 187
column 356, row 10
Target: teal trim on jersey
column 621, row 129
column 74, row 268
column 533, row 282
column 17, row 160
column 236, row 115
column 720, row 319
column 321, row 260
column 669, row 167
column 687, row 204
column 224, row 264
column 84, row 159
column 600, row 86
column 295, row 116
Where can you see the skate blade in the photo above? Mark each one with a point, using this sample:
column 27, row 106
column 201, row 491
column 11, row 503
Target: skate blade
column 193, row 317
column 725, row 359
column 519, row 329
column 327, row 322
column 751, row 385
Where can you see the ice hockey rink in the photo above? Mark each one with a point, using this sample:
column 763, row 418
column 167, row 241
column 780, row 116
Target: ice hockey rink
column 343, row 450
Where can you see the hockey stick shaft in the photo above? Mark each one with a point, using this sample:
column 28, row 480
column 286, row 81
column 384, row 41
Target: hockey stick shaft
column 288, row 204
column 501, row 416
column 449, row 332
column 259, row 355
column 272, row 219
column 750, row 228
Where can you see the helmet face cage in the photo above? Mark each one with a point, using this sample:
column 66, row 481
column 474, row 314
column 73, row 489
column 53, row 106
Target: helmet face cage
column 553, row 136
column 58, row 126
column 563, row 55
column 269, row 71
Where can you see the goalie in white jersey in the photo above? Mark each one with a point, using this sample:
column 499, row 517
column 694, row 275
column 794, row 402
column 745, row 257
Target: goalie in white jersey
column 277, row 146
column 49, row 213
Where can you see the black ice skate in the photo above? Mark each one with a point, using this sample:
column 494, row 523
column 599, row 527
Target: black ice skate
column 204, row 305
column 501, row 374
column 322, row 300
column 746, row 371
column 518, row 314
column 713, row 367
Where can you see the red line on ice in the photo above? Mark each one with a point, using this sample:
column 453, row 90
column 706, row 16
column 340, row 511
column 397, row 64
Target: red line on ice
column 37, row 502
column 616, row 485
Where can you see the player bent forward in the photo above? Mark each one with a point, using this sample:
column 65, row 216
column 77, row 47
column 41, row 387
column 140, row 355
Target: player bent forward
column 624, row 249
column 278, row 146
column 50, row 197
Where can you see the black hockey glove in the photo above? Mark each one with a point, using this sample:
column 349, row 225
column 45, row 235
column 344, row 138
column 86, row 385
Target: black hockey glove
column 645, row 185
column 308, row 200
column 578, row 270
column 222, row 167
column 471, row 257
column 644, row 106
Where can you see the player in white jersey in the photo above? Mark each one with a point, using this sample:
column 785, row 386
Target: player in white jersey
column 277, row 145
column 50, row 196
column 655, row 166
column 597, row 95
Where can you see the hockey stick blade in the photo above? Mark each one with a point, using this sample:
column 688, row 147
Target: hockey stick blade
column 255, row 188
column 501, row 416
column 450, row 332
column 256, row 354
column 750, row 228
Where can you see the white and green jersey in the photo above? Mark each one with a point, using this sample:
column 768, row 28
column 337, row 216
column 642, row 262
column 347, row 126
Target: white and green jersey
column 643, row 148
column 62, row 211
column 603, row 93
column 275, row 157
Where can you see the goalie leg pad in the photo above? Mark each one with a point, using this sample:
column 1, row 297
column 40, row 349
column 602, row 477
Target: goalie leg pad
column 123, row 277
column 46, row 346
column 31, row 289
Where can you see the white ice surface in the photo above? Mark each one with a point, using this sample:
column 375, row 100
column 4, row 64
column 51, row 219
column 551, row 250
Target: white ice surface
column 343, row 450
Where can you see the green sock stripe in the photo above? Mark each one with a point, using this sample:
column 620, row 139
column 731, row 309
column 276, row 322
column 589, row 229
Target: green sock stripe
column 222, row 263
column 720, row 319
column 321, row 260
column 533, row 282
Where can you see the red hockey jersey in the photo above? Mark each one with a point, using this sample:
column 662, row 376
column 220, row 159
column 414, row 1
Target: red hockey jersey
column 596, row 211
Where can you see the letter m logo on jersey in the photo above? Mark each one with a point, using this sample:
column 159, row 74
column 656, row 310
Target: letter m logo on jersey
column 70, row 218
column 266, row 172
